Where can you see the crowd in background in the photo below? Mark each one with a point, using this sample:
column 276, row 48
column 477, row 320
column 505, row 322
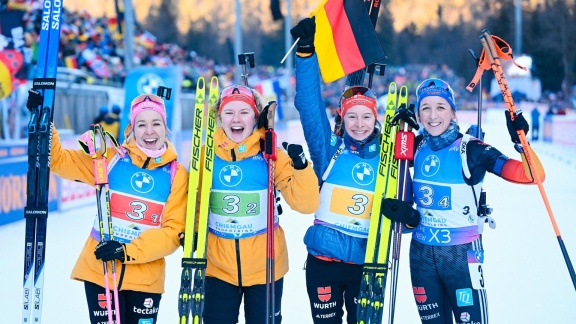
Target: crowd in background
column 95, row 46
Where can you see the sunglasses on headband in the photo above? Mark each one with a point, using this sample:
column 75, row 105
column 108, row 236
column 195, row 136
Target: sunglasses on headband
column 144, row 97
column 357, row 95
column 237, row 92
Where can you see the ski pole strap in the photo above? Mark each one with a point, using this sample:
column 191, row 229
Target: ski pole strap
column 503, row 50
column 375, row 267
column 194, row 263
column 86, row 142
column 114, row 143
column 44, row 83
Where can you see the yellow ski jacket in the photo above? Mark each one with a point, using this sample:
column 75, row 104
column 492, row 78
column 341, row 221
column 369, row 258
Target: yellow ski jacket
column 243, row 261
column 146, row 269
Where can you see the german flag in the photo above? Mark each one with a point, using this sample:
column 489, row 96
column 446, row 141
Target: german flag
column 345, row 39
column 71, row 62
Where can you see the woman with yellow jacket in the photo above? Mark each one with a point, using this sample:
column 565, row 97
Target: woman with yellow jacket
column 148, row 195
column 236, row 249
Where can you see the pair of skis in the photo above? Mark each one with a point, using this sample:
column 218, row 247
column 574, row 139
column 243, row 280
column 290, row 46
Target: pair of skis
column 191, row 295
column 39, row 150
column 390, row 183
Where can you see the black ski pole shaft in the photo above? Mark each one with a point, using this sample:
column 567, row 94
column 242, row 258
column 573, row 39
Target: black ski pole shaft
column 479, row 86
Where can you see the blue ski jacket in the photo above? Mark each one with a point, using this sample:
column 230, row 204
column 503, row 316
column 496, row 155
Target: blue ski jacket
column 321, row 241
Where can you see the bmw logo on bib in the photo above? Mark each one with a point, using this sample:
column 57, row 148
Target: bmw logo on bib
column 230, row 175
column 142, row 182
column 363, row 174
column 430, row 166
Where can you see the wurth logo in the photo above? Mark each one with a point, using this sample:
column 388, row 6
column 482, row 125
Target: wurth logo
column 420, row 294
column 324, row 293
column 102, row 300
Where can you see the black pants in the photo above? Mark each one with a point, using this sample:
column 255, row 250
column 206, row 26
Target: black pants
column 136, row 307
column 332, row 285
column 222, row 302
column 449, row 281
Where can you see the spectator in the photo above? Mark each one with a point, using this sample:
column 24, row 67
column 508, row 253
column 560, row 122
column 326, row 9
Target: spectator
column 102, row 112
column 535, row 123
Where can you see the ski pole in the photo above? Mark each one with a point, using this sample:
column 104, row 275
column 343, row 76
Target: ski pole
column 489, row 46
column 270, row 155
column 88, row 144
column 100, row 169
column 404, row 153
column 479, row 120
column 104, row 135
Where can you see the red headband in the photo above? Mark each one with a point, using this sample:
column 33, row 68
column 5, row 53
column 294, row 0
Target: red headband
column 238, row 92
column 359, row 100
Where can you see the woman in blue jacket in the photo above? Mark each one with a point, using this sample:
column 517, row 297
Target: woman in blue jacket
column 345, row 163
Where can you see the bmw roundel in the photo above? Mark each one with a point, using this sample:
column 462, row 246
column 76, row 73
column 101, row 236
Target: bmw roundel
column 149, row 83
column 363, row 173
column 230, row 175
column 430, row 166
column 142, row 182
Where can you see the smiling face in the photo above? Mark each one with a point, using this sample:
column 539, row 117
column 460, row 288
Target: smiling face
column 238, row 120
column 359, row 122
column 149, row 130
column 435, row 114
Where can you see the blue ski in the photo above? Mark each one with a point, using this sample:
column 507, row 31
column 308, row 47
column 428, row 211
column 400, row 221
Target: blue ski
column 38, row 175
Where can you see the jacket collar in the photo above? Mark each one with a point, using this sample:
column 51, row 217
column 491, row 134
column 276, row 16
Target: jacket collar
column 139, row 158
column 229, row 150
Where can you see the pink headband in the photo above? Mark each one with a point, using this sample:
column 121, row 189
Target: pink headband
column 147, row 104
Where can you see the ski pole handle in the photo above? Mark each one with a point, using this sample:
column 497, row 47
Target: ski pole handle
column 290, row 50
column 270, row 136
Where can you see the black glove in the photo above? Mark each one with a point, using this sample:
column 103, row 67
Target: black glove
column 296, row 153
column 110, row 250
column 519, row 123
column 305, row 30
column 407, row 115
column 263, row 117
column 35, row 99
column 400, row 211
